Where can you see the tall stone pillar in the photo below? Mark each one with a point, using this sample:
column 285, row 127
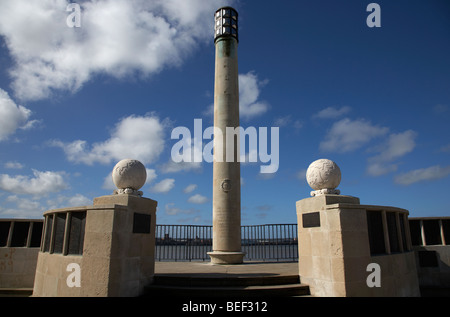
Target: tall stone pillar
column 226, row 170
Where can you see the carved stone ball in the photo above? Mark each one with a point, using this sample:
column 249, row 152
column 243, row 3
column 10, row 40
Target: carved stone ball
column 323, row 174
column 129, row 173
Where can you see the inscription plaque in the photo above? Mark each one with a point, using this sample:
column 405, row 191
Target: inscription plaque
column 376, row 232
column 311, row 220
column 58, row 241
column 141, row 223
column 48, row 232
column 76, row 233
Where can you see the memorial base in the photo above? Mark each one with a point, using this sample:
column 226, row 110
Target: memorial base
column 224, row 257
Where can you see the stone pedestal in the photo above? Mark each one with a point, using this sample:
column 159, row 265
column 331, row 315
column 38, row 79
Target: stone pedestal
column 337, row 244
column 321, row 243
column 117, row 254
column 128, row 239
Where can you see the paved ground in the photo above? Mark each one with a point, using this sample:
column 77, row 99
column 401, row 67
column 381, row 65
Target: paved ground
column 247, row 269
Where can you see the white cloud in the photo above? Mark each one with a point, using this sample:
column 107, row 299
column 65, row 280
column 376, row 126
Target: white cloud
column 42, row 183
column 172, row 167
column 445, row 148
column 190, row 188
column 171, row 210
column 375, row 168
column 249, row 90
column 298, row 124
column 163, row 186
column 12, row 116
column 286, row 121
column 347, row 135
column 332, row 112
column 79, row 200
column 301, row 174
column 198, row 199
column 14, row 165
column 138, row 137
column 22, row 208
column 282, row 121
column 265, row 207
column 116, row 37
column 440, row 109
column 397, row 145
column 151, row 175
column 424, row 174
column 209, row 111
column 108, row 183
column 61, row 201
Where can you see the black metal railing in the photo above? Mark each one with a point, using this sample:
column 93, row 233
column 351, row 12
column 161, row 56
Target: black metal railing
column 182, row 242
column 270, row 242
column 273, row 242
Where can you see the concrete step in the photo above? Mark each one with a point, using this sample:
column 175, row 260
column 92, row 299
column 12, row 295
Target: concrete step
column 229, row 291
column 16, row 292
column 207, row 286
column 223, row 280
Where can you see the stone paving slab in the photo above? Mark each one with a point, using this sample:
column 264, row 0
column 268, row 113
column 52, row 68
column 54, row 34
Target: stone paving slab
column 247, row 269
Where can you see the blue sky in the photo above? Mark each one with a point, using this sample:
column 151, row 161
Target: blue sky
column 75, row 101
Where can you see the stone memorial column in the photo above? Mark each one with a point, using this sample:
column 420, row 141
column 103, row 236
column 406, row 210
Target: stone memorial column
column 226, row 170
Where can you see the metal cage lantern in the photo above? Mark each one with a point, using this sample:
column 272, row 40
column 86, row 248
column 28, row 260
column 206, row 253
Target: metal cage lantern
column 226, row 23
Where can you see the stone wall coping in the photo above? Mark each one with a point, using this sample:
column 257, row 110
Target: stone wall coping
column 20, row 220
column 430, row 218
column 367, row 207
column 85, row 208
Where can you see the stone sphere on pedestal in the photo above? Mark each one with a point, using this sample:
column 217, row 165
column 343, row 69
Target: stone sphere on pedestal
column 323, row 176
column 129, row 176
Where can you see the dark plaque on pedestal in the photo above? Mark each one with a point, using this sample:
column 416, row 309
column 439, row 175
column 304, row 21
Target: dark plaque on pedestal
column 311, row 220
column 141, row 223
